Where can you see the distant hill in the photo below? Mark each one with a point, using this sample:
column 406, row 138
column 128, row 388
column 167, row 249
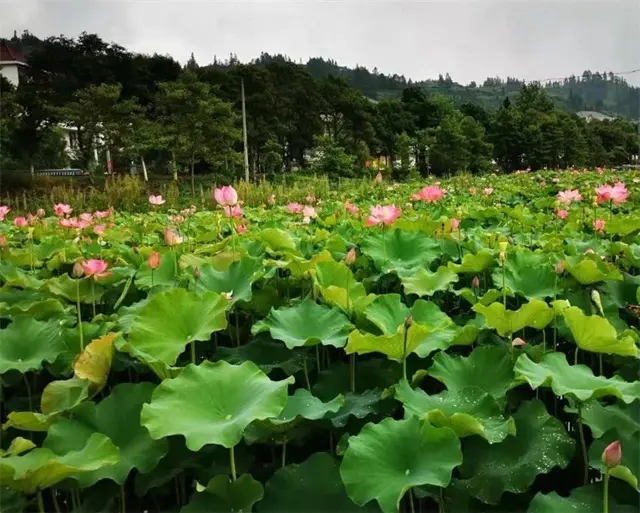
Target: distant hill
column 603, row 92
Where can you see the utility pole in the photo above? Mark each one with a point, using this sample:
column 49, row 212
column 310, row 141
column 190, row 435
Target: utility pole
column 244, row 133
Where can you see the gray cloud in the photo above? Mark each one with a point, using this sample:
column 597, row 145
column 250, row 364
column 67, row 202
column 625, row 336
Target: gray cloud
column 532, row 39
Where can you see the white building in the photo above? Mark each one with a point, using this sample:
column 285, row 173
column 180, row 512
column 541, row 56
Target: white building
column 10, row 63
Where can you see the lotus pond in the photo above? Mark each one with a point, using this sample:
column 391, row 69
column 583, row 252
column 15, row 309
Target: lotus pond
column 467, row 345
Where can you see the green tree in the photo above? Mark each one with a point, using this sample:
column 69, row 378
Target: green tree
column 328, row 158
column 196, row 123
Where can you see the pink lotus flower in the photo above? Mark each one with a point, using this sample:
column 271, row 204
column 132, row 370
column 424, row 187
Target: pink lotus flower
column 156, row 200
column 612, row 454
column 350, row 257
column 154, row 260
column 308, row 211
column 598, row 225
column 226, row 196
column 71, row 222
column 378, row 178
column 487, row 191
column 20, row 222
column 172, row 238
column 518, row 342
column 455, row 224
column 562, row 214
column 310, row 199
column 241, row 228
column 430, row 194
column 475, row 283
column 102, row 214
column 234, row 211
column 99, row 229
column 560, row 267
column 81, row 225
column 3, row 241
column 619, row 193
column 40, row 212
column 96, row 268
column 569, row 196
column 4, row 210
column 86, row 217
column 295, row 208
column 385, row 215
column 61, row 209
column 351, row 208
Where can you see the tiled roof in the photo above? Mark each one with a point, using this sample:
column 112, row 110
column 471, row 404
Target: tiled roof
column 9, row 54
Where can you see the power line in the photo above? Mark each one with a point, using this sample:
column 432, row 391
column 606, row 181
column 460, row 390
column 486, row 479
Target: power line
column 555, row 79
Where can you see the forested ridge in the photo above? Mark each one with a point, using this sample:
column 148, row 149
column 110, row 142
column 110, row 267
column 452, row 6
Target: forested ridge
column 317, row 117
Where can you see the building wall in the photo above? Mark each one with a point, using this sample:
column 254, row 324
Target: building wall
column 10, row 72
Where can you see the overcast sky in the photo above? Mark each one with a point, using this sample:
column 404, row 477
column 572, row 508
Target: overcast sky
column 470, row 39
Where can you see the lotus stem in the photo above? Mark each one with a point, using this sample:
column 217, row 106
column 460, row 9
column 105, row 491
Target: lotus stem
column 79, row 315
column 441, row 500
column 352, row 372
column 29, row 396
column 583, row 445
column 93, row 296
column 123, row 503
column 600, row 364
column 413, row 509
column 40, row 501
column 404, row 353
column 284, row 453
column 605, row 493
column 193, row 352
column 54, row 498
column 306, row 373
column 318, row 357
column 232, row 458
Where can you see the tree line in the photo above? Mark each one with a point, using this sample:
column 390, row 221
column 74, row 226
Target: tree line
column 152, row 111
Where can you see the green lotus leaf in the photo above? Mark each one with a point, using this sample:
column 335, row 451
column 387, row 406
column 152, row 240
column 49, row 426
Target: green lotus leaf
column 71, row 337
column 236, row 396
column 306, row 324
column 489, row 297
column 473, row 263
column 596, row 334
column 588, row 270
column 392, row 346
column 338, row 287
column 388, row 313
column 586, row 499
column 221, row 495
column 12, row 501
column 623, row 225
column 277, row 240
column 16, row 277
column 59, row 396
column 18, row 446
column 302, row 404
column 84, row 289
column 425, row 283
column 41, row 468
column 401, row 250
column 313, row 486
column 629, row 468
column 625, row 417
column 300, row 267
column 268, row 355
column 528, row 273
column 237, row 279
column 576, row 381
column 165, row 274
column 174, row 318
column 38, row 310
column 467, row 412
column 26, row 343
column 117, row 417
column 356, row 405
column 28, row 421
column 489, row 368
column 540, row 444
column 386, row 460
column 535, row 314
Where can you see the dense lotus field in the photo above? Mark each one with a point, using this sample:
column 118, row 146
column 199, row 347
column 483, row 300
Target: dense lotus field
column 464, row 345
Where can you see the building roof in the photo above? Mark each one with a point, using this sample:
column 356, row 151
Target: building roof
column 591, row 114
column 8, row 54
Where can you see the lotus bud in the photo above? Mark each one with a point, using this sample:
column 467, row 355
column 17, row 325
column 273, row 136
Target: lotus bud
column 196, row 272
column 228, row 295
column 518, row 342
column 3, row 241
column 595, row 201
column 475, row 283
column 408, row 321
column 503, row 246
column 612, row 454
column 350, row 257
column 595, row 297
column 78, row 271
column 560, row 267
column 40, row 212
column 154, row 260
